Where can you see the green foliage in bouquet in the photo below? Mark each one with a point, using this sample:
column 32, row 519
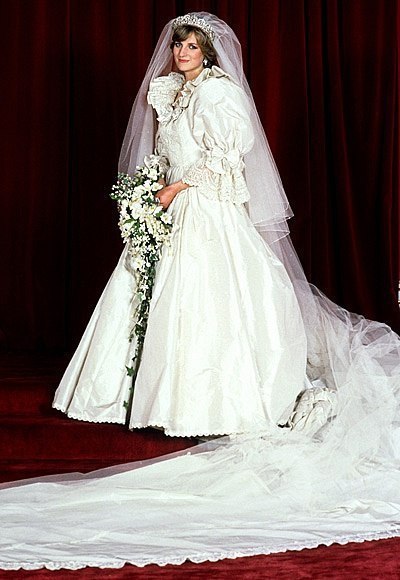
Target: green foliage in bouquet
column 145, row 227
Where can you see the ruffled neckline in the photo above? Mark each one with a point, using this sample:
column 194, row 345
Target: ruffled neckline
column 163, row 92
column 189, row 86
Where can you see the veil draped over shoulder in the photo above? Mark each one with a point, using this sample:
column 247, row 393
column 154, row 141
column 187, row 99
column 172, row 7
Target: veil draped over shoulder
column 331, row 475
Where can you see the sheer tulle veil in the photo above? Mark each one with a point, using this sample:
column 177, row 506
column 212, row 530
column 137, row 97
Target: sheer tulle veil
column 330, row 475
column 355, row 358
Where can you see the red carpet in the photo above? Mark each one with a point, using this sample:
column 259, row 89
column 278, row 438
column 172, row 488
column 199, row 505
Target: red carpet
column 37, row 440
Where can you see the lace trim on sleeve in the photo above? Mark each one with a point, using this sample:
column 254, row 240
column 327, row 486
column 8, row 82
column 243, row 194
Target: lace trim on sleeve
column 219, row 178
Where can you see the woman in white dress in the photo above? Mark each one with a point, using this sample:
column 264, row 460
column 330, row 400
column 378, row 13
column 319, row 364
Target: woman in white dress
column 225, row 349
column 235, row 334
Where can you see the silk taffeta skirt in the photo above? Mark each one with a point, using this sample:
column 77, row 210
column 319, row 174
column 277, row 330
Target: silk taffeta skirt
column 225, row 346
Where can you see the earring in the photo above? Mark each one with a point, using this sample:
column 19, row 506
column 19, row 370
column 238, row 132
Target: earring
column 205, row 62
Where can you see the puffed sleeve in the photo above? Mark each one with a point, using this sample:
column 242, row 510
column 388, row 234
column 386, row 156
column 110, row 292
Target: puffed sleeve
column 221, row 126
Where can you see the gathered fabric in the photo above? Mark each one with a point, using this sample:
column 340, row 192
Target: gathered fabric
column 206, row 130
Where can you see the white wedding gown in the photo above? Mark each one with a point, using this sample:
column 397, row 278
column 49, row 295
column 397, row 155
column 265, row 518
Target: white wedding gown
column 225, row 348
column 227, row 351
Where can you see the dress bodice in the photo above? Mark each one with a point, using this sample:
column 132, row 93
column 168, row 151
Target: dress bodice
column 204, row 132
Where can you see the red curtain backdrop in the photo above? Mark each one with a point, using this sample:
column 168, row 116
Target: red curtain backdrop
column 325, row 78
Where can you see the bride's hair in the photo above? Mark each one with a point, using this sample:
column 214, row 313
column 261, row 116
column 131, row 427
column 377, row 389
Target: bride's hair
column 204, row 41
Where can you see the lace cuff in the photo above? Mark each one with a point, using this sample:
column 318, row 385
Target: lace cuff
column 219, row 177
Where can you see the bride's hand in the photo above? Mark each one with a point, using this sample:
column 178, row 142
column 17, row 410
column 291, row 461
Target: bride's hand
column 167, row 194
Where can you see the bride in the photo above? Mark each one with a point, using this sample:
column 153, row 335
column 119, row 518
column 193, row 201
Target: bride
column 238, row 343
column 225, row 346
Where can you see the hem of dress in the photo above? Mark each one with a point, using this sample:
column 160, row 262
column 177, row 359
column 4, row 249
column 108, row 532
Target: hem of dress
column 171, row 433
column 81, row 418
column 199, row 558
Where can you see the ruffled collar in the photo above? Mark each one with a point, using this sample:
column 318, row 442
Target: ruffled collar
column 163, row 92
column 189, row 86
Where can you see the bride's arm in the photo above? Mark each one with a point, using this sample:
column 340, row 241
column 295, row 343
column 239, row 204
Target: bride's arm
column 222, row 128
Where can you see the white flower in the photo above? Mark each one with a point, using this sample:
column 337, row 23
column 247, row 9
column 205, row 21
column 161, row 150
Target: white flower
column 146, row 228
column 153, row 174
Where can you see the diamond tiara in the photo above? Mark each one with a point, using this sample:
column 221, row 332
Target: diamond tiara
column 193, row 20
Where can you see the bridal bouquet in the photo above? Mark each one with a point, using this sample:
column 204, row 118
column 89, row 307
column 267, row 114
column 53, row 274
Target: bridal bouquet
column 146, row 227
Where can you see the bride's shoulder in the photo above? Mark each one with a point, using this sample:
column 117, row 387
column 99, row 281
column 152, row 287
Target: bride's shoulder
column 165, row 88
column 213, row 78
column 173, row 79
column 162, row 93
column 218, row 84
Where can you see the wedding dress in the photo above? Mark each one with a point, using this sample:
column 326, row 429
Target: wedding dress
column 234, row 328
column 225, row 348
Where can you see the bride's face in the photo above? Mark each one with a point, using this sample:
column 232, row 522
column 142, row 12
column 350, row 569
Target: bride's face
column 188, row 57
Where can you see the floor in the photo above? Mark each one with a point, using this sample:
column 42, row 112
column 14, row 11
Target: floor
column 37, row 440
